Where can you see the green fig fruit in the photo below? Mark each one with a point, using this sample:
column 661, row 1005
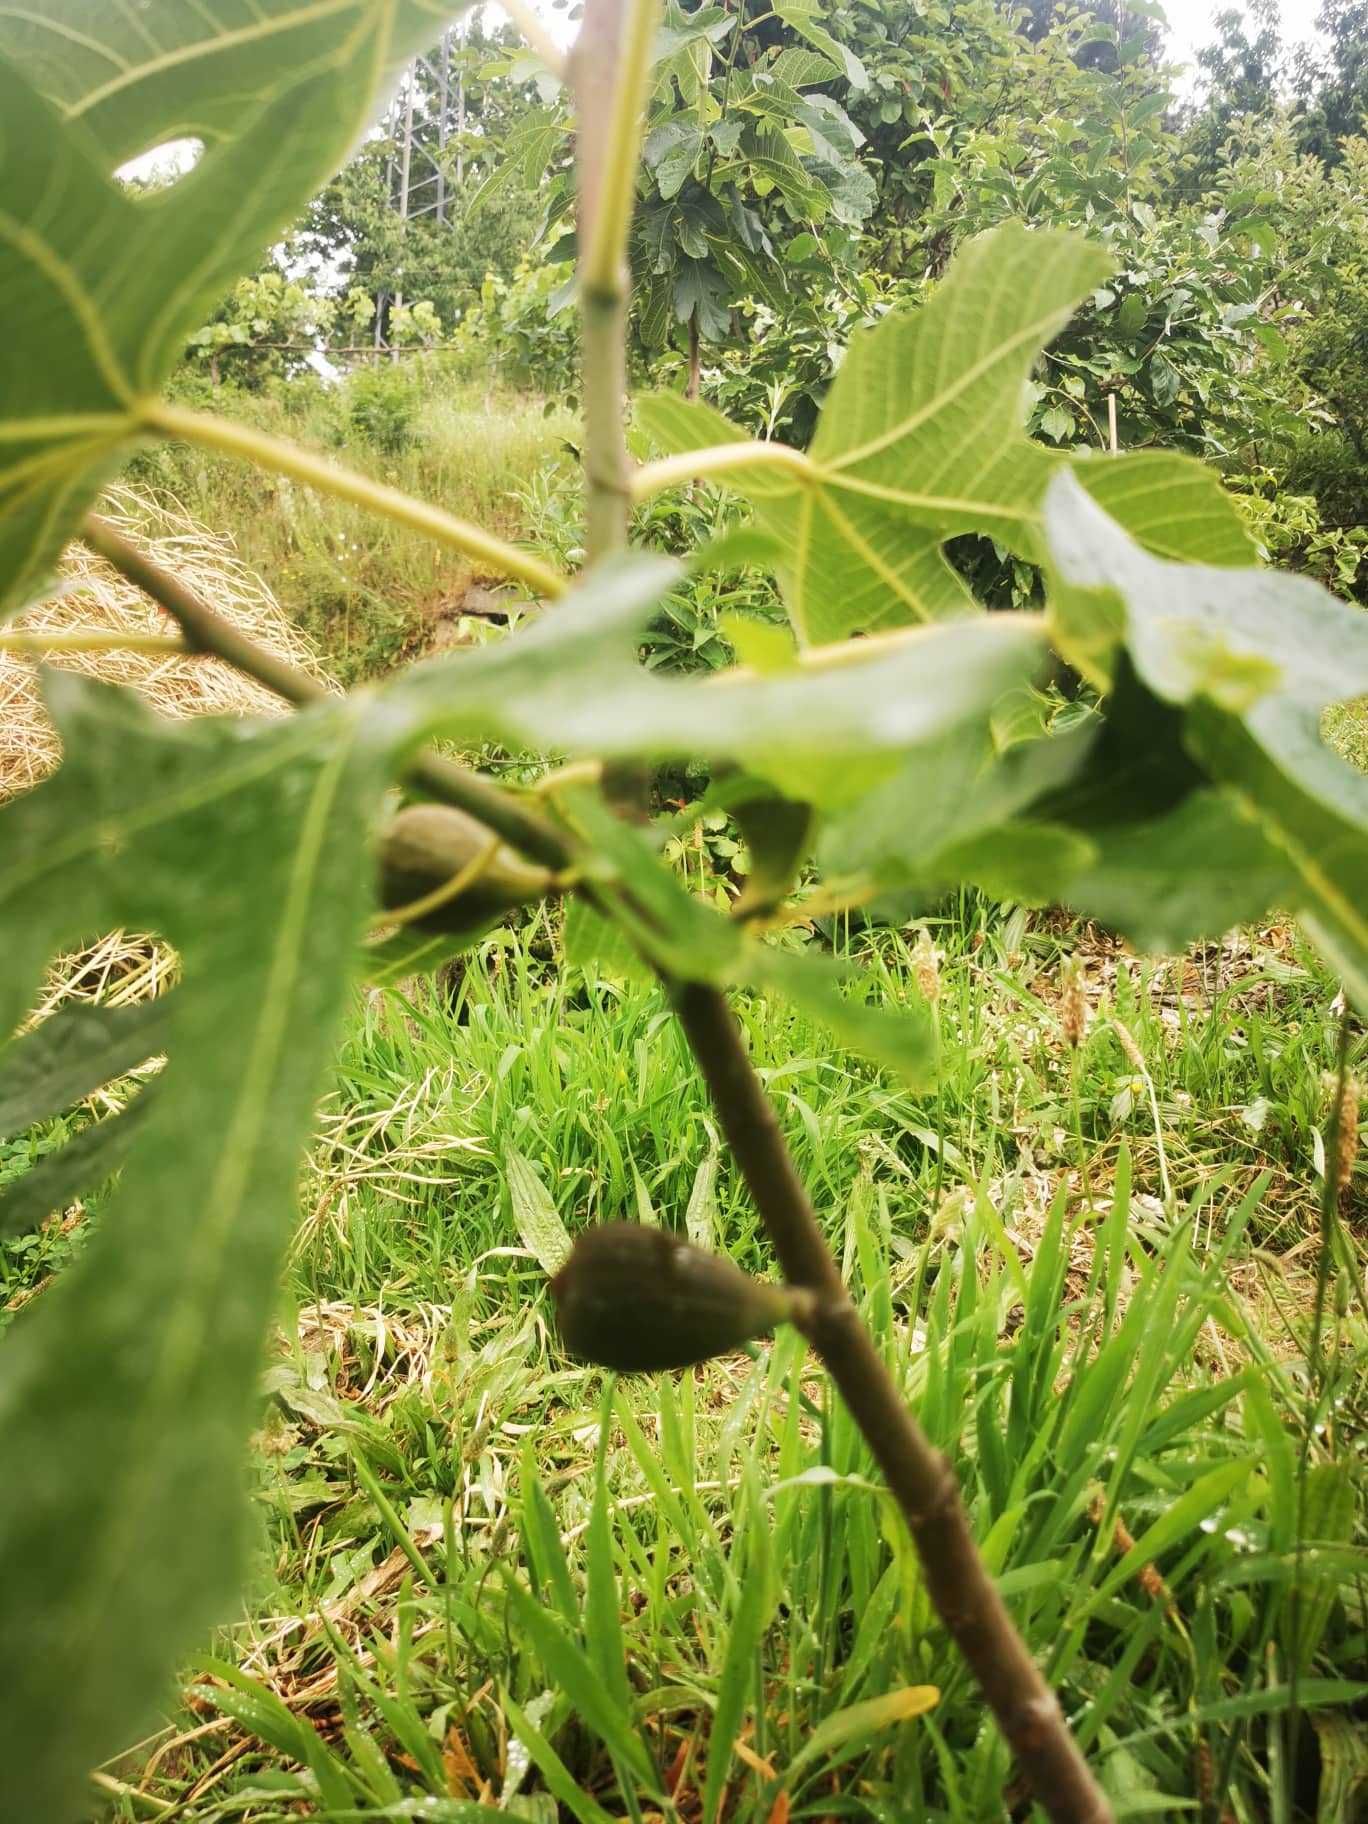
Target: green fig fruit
column 427, row 846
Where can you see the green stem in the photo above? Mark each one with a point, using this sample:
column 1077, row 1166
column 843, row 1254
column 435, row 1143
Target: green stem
column 720, row 459
column 610, row 86
column 204, row 630
column 302, row 465
column 608, row 493
column 165, row 645
column 607, row 217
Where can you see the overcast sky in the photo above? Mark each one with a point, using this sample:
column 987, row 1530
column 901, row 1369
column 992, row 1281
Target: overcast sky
column 1190, row 23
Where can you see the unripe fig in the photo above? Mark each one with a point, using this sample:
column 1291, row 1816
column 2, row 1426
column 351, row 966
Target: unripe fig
column 638, row 1300
column 426, row 846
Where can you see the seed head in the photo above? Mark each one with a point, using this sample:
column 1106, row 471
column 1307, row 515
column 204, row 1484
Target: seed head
column 1073, row 1003
column 1346, row 1135
column 926, row 966
column 1128, row 1044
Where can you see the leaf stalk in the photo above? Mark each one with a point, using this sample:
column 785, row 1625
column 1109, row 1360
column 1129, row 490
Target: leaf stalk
column 704, row 465
column 285, row 458
column 164, row 645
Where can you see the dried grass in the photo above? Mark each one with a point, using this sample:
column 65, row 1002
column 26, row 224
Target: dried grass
column 91, row 595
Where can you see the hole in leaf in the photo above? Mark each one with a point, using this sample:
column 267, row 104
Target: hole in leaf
column 162, row 166
column 76, row 1085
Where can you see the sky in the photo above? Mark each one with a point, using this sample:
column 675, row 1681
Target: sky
column 1191, row 23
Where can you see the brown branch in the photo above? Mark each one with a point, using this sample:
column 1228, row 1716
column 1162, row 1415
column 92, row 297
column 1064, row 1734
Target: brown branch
column 922, row 1481
column 207, row 632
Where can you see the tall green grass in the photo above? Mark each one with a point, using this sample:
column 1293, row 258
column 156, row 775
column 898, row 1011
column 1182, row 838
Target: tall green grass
column 366, row 590
column 490, row 1577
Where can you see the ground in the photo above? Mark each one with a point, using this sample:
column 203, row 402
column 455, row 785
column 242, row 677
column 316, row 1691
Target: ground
column 1080, row 1343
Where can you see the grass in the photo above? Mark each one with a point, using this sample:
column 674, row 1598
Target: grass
column 367, row 592
column 486, row 1576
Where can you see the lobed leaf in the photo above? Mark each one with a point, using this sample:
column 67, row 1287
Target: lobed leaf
column 1174, row 880
column 1193, row 629
column 922, row 439
column 948, row 813
column 1312, row 807
column 1242, row 663
column 128, row 1389
column 135, row 78
column 101, row 288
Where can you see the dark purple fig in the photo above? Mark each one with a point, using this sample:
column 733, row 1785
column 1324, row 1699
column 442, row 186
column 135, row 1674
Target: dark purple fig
column 639, row 1299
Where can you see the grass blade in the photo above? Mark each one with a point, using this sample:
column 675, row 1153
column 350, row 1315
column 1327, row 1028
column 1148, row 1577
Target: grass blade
column 568, row 1668
column 749, row 1621
column 535, row 1216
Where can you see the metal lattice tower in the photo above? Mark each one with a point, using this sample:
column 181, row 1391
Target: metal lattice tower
column 418, row 174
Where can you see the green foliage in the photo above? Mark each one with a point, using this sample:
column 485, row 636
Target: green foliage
column 1332, row 80
column 138, row 1404
column 383, row 407
column 744, row 144
column 268, row 323
column 522, row 327
column 445, row 245
column 923, row 761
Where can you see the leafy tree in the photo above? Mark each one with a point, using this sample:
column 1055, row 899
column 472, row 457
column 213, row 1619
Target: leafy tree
column 751, row 169
column 267, row 325
column 354, row 234
column 1332, row 83
column 1240, row 74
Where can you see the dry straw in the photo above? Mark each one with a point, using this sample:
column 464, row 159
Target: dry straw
column 1346, row 1136
column 88, row 596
